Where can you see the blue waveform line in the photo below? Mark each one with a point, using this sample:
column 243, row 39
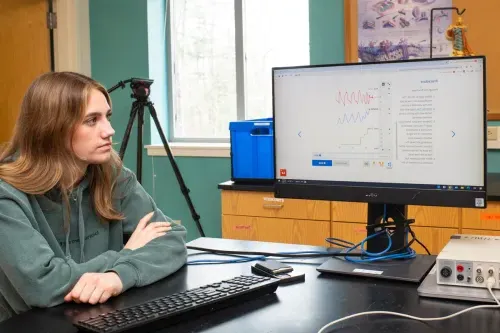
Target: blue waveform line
column 353, row 118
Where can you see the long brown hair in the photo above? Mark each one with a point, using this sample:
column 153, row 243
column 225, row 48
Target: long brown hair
column 39, row 156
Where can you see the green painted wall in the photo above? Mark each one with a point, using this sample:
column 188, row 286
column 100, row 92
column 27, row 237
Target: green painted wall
column 493, row 155
column 326, row 31
column 119, row 51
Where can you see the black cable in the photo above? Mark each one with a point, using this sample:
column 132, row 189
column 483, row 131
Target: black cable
column 422, row 244
column 330, row 240
column 404, row 247
column 338, row 242
column 298, row 255
column 271, row 254
column 413, row 234
column 240, row 256
column 419, row 242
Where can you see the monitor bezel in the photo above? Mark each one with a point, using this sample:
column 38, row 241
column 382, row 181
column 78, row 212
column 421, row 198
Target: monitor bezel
column 380, row 194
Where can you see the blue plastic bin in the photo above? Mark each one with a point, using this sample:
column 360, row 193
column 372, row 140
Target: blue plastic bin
column 252, row 151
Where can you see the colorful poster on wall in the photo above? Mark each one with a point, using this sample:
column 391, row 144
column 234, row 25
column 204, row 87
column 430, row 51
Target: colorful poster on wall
column 399, row 29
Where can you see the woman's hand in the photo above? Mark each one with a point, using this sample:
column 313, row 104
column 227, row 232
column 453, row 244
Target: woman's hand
column 95, row 288
column 144, row 232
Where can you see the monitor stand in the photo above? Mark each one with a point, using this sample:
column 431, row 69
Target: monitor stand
column 410, row 270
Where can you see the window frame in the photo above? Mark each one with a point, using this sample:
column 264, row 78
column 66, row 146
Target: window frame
column 240, row 74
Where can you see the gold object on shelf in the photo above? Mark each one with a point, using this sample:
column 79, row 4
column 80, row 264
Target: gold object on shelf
column 457, row 33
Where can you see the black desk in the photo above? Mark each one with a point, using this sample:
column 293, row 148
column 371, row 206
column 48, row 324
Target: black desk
column 297, row 308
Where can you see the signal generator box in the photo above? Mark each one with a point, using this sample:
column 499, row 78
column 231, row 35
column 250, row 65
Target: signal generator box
column 469, row 260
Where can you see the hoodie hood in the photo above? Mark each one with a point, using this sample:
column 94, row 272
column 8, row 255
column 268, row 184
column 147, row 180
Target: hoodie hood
column 75, row 200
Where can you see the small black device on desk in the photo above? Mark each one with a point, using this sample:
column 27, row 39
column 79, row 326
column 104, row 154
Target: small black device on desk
column 273, row 268
column 158, row 313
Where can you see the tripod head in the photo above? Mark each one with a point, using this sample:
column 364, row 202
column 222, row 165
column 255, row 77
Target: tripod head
column 140, row 88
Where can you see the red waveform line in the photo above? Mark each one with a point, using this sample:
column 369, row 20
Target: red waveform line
column 354, row 98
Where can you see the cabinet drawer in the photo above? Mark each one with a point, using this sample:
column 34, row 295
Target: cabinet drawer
column 442, row 217
column 308, row 232
column 433, row 238
column 266, row 205
column 424, row 216
column 351, row 232
column 488, row 218
column 349, row 211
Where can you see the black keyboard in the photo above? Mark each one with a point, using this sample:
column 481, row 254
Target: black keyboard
column 164, row 311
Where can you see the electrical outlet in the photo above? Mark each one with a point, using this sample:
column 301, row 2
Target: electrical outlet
column 492, row 133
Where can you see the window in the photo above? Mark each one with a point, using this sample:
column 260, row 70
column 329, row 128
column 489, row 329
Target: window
column 221, row 55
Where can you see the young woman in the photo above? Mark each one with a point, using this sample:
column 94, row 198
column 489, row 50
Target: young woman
column 66, row 201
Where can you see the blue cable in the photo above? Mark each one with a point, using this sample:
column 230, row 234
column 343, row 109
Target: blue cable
column 306, row 252
column 409, row 254
column 224, row 261
column 372, row 254
column 248, row 259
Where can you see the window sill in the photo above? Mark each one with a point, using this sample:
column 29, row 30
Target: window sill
column 191, row 149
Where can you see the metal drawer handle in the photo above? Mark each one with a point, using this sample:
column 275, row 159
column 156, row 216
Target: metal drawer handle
column 273, row 206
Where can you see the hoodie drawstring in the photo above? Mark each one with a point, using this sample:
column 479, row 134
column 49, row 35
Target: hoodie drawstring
column 81, row 227
column 81, row 224
column 68, row 252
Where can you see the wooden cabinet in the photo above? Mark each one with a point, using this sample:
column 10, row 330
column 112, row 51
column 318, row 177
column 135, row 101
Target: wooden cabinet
column 293, row 231
column 483, row 219
column 442, row 217
column 260, row 216
column 349, row 212
column 433, row 225
column 433, row 238
column 266, row 205
column 351, row 232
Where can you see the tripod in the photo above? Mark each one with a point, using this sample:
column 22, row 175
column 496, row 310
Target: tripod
column 141, row 91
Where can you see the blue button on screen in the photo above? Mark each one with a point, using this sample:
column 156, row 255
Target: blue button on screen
column 322, row 162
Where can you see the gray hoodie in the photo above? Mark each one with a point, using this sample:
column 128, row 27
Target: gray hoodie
column 40, row 262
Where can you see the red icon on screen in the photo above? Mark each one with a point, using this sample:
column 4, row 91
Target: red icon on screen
column 283, row 172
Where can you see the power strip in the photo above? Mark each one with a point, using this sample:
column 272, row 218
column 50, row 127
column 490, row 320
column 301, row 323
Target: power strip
column 469, row 261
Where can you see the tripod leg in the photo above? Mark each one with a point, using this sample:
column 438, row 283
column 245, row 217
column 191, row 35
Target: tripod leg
column 126, row 136
column 140, row 123
column 185, row 191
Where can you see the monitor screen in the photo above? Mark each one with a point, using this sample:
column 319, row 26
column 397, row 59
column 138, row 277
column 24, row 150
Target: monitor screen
column 410, row 132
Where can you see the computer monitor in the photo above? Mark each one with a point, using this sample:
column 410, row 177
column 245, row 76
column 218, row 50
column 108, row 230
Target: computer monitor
column 389, row 134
